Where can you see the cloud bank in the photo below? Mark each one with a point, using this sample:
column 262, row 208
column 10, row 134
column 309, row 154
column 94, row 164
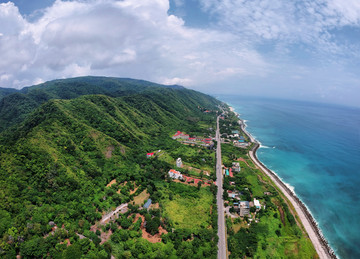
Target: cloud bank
column 117, row 38
column 292, row 49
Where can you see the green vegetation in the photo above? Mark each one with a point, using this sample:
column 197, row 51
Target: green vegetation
column 185, row 206
column 65, row 140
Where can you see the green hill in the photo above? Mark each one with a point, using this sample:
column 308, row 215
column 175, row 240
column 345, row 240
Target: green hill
column 64, row 140
column 15, row 105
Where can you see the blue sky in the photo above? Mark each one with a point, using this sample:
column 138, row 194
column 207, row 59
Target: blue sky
column 308, row 50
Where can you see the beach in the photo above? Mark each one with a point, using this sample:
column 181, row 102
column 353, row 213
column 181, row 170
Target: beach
column 320, row 243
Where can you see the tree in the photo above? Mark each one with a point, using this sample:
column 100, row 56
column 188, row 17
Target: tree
column 73, row 251
column 33, row 248
column 125, row 223
column 152, row 226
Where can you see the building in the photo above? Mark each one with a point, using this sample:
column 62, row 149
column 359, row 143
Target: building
column 233, row 194
column 175, row 174
column 235, row 132
column 236, row 166
column 181, row 135
column 177, row 135
column 147, row 204
column 257, row 204
column 149, row 155
column 230, row 172
column 244, row 208
column 179, row 162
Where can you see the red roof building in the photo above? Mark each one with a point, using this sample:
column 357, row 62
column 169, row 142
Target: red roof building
column 230, row 172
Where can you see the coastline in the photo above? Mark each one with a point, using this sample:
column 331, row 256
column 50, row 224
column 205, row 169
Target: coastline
column 320, row 243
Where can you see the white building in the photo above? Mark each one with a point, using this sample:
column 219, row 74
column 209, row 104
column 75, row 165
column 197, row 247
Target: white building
column 257, row 204
column 175, row 174
column 179, row 162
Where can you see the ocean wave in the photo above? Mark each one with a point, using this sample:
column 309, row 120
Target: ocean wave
column 263, row 146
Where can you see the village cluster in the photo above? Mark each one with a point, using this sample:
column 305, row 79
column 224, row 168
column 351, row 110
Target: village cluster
column 235, row 138
column 239, row 207
column 200, row 141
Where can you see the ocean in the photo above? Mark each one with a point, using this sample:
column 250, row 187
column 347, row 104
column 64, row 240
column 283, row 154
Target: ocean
column 314, row 148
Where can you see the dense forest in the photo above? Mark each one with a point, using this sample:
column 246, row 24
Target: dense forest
column 64, row 141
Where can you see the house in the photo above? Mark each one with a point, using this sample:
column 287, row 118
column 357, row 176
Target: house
column 184, row 136
column 149, row 154
column 236, row 166
column 233, row 194
column 235, row 132
column 181, row 135
column 177, row 135
column 175, row 174
column 230, row 172
column 257, row 204
column 147, row 204
column 179, row 162
column 244, row 208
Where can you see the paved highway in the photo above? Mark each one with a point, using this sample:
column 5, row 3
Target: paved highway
column 220, row 202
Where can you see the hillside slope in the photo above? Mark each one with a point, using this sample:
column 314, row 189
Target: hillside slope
column 56, row 162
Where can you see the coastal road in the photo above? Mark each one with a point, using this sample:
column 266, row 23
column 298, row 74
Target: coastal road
column 219, row 198
column 319, row 247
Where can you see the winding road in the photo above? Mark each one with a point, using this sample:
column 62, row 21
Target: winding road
column 219, row 198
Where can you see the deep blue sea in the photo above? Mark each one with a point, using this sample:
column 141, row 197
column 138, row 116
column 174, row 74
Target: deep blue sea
column 315, row 148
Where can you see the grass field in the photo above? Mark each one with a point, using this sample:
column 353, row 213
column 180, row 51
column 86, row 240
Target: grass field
column 187, row 211
column 141, row 198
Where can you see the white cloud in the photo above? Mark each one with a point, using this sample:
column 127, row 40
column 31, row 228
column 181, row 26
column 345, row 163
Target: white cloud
column 130, row 38
column 305, row 21
column 139, row 39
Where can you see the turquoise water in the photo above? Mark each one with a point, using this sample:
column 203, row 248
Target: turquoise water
column 315, row 148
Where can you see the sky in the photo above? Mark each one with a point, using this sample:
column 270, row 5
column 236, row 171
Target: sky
column 299, row 49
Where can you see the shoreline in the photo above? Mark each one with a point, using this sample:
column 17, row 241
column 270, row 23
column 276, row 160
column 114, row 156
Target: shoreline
column 315, row 234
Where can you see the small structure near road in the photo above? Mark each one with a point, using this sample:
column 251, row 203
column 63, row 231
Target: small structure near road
column 244, row 208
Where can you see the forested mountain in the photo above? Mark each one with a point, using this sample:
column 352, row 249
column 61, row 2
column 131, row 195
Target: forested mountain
column 6, row 91
column 15, row 105
column 64, row 140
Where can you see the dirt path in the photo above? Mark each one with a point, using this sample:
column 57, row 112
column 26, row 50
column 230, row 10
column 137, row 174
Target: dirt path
column 243, row 160
column 107, row 216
